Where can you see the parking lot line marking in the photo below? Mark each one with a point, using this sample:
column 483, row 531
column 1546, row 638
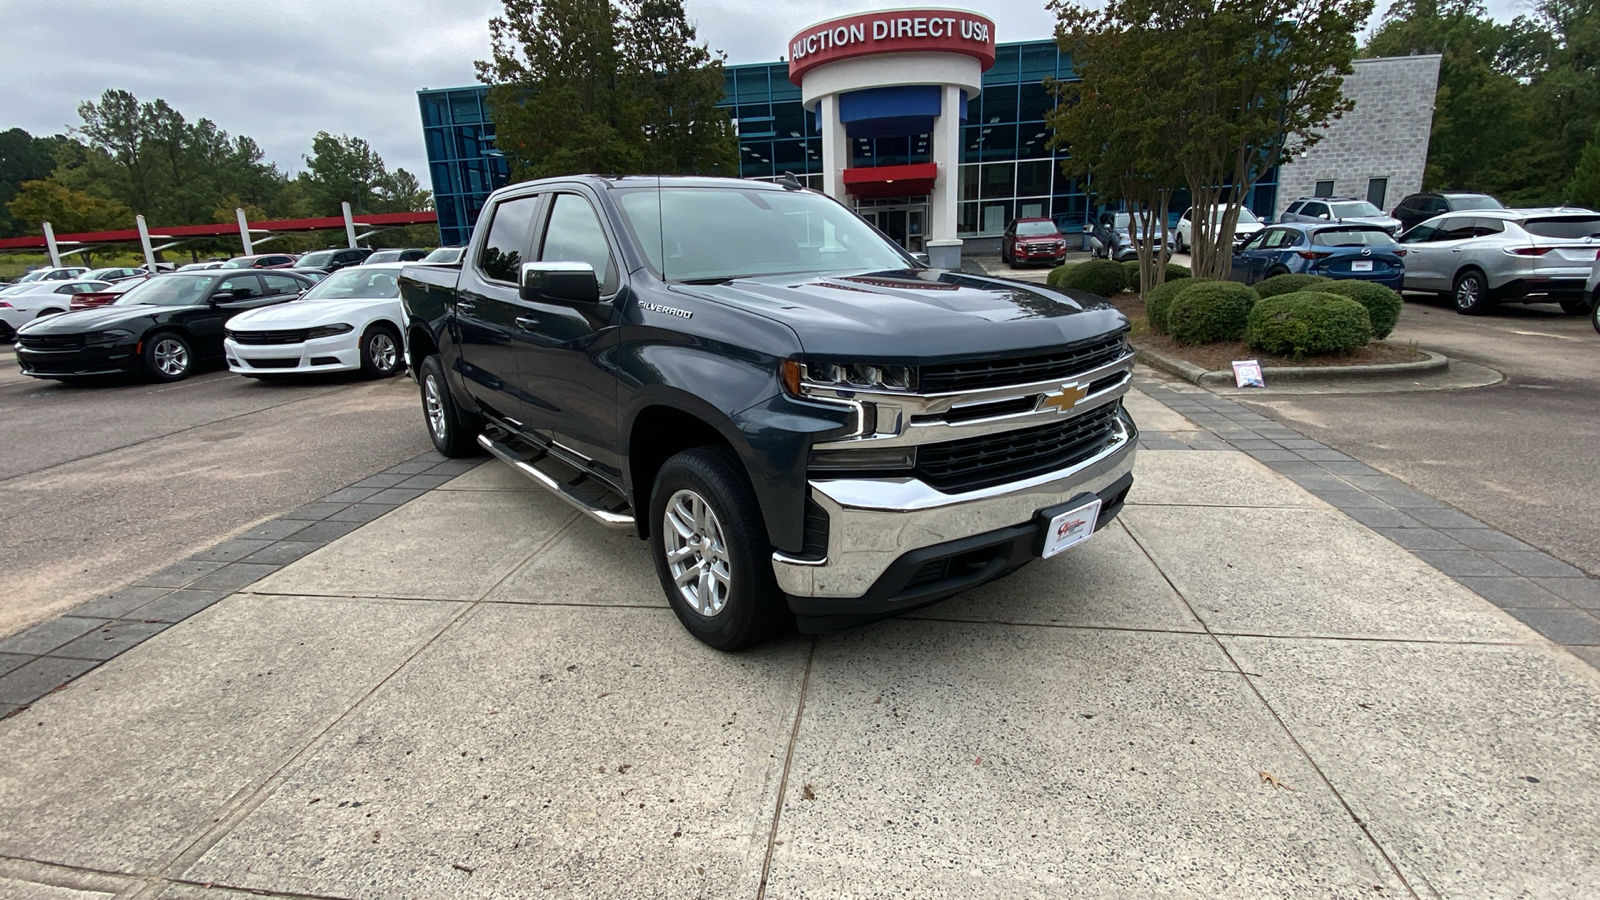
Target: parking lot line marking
column 1559, row 337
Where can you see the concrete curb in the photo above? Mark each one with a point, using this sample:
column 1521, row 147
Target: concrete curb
column 1435, row 362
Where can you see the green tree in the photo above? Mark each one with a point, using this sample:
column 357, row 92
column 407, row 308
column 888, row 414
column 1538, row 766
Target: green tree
column 23, row 158
column 346, row 169
column 1584, row 188
column 68, row 211
column 677, row 84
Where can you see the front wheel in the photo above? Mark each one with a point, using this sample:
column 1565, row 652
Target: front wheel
column 711, row 550
column 1471, row 293
column 1594, row 313
column 380, row 352
column 167, row 357
column 453, row 430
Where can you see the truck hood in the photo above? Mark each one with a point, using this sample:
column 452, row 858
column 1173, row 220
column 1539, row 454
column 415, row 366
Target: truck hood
column 918, row 314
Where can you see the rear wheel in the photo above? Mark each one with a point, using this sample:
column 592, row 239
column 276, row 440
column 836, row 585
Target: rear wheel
column 380, row 351
column 167, row 357
column 1575, row 306
column 711, row 550
column 1471, row 293
column 453, row 430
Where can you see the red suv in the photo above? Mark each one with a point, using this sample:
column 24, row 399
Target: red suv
column 1033, row 241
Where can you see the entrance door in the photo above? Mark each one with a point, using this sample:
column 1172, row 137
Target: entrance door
column 905, row 223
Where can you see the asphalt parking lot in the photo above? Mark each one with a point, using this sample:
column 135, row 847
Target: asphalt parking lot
column 101, row 485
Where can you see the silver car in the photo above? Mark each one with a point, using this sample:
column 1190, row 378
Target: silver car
column 1340, row 209
column 1484, row 256
column 1592, row 292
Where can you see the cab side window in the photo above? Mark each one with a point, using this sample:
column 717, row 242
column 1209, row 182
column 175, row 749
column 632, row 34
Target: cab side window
column 282, row 284
column 510, row 232
column 574, row 235
column 244, row 287
column 1455, row 230
column 1314, row 210
column 1419, row 234
column 1277, row 239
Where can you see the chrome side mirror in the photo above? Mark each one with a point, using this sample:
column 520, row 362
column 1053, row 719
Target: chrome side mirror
column 564, row 282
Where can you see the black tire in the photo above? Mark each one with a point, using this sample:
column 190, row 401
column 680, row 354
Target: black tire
column 1575, row 306
column 752, row 608
column 1280, row 270
column 167, row 356
column 1594, row 313
column 453, row 430
column 1470, row 294
column 1005, row 257
column 381, row 354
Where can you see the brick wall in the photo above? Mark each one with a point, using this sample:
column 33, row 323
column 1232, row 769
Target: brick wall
column 1385, row 136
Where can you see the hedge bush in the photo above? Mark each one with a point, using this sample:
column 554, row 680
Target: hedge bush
column 1205, row 312
column 1130, row 274
column 1288, row 284
column 1159, row 300
column 1174, row 272
column 1308, row 323
column 1058, row 273
column 1383, row 305
column 1097, row 276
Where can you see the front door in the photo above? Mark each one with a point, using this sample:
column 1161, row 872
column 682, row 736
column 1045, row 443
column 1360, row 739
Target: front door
column 905, row 223
column 488, row 311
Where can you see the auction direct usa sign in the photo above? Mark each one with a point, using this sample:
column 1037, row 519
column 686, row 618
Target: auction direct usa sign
column 892, row 31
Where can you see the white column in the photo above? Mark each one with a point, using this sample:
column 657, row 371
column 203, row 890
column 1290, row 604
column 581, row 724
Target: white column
column 144, row 242
column 244, row 231
column 50, row 246
column 349, row 224
column 944, row 248
column 835, row 148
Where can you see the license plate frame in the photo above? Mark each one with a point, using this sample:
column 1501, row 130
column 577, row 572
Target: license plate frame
column 1361, row 265
column 1068, row 525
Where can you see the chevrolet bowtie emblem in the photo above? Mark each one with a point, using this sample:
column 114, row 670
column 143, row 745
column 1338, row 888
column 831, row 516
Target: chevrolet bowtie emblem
column 1063, row 400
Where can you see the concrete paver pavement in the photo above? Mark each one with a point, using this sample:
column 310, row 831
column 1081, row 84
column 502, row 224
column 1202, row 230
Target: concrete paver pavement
column 1237, row 690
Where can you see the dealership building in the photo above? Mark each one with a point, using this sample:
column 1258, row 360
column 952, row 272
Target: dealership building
column 935, row 132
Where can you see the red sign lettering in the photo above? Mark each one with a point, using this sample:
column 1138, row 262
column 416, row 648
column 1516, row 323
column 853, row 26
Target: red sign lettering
column 898, row 31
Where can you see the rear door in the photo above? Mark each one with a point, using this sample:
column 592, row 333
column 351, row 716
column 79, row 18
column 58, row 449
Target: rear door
column 565, row 364
column 487, row 310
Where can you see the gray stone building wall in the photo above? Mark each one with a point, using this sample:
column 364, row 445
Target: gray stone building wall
column 1385, row 136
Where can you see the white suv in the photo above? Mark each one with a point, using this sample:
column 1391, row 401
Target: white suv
column 1183, row 234
column 1481, row 256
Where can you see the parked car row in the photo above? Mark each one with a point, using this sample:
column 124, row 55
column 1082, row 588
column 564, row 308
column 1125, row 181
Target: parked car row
column 259, row 323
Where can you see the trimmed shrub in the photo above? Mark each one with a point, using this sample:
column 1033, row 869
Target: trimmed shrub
column 1058, row 273
column 1175, row 271
column 1159, row 300
column 1130, row 276
column 1207, row 311
column 1288, row 284
column 1383, row 305
column 1097, row 276
column 1308, row 323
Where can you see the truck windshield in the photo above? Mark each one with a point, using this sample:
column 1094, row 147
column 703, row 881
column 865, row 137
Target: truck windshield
column 704, row 234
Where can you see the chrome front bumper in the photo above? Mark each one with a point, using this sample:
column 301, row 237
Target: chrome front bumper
column 874, row 521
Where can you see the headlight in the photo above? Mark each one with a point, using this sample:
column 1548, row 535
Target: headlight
column 322, row 331
column 850, row 377
column 107, row 337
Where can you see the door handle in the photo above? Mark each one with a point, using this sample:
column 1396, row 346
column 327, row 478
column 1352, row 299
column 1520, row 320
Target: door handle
column 527, row 323
column 465, row 306
column 1456, row 250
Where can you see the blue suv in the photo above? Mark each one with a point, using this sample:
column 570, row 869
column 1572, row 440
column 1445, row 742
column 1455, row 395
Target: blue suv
column 1332, row 250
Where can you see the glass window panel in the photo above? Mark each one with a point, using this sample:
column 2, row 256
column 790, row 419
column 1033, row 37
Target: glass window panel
column 1034, row 100
column 967, row 222
column 439, row 144
column 752, row 111
column 813, row 127
column 893, row 151
column 752, row 82
column 789, row 120
column 999, row 104
column 1033, row 208
column 971, row 144
column 728, row 94
column 755, row 159
column 1033, row 138
column 814, row 154
column 467, row 145
column 1005, row 68
column 444, row 180
column 1070, row 211
column 992, row 217
column 780, row 85
column 1066, row 184
column 434, row 110
column 999, row 142
column 1033, row 177
column 969, row 184
column 574, row 235
column 510, row 234
column 789, row 156
column 1038, row 61
column 999, row 180
column 464, row 107
column 921, row 148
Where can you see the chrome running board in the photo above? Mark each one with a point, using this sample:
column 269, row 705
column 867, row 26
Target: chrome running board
column 589, row 495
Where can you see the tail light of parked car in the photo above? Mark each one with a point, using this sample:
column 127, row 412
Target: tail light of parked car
column 1313, row 254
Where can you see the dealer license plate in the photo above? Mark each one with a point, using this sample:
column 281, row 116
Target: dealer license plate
column 1361, row 265
column 1071, row 528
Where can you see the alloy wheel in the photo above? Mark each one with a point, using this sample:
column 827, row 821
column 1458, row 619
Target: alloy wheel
column 1468, row 293
column 171, row 356
column 433, row 404
column 697, row 553
column 382, row 351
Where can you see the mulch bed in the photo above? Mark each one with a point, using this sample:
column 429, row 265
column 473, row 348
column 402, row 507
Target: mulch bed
column 1218, row 357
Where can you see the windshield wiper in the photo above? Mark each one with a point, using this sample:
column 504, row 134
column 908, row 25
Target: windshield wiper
column 714, row 279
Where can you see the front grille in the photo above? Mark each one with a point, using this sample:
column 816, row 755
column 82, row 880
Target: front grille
column 992, row 459
column 279, row 363
column 292, row 336
column 1041, row 248
column 1069, row 361
column 50, row 341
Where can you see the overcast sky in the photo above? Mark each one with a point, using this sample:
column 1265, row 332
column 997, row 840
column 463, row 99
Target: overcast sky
column 283, row 71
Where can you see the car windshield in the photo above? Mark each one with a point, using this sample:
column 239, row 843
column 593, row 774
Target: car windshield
column 704, row 234
column 32, row 276
column 383, row 256
column 357, row 282
column 1474, row 201
column 168, row 290
column 1035, row 229
column 1353, row 237
column 1565, row 227
column 444, row 255
column 320, row 258
column 1354, row 209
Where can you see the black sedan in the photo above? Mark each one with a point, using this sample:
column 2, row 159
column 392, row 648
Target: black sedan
column 165, row 327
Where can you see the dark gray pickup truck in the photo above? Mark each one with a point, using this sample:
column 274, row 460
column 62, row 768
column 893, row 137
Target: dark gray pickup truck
column 803, row 420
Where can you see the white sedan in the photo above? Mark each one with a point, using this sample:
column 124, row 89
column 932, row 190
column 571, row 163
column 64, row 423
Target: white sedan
column 349, row 321
column 22, row 303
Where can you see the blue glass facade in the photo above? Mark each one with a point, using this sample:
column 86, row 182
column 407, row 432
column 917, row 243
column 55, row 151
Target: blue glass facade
column 1006, row 169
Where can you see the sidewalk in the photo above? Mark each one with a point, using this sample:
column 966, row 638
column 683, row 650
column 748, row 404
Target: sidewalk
column 1236, row 690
